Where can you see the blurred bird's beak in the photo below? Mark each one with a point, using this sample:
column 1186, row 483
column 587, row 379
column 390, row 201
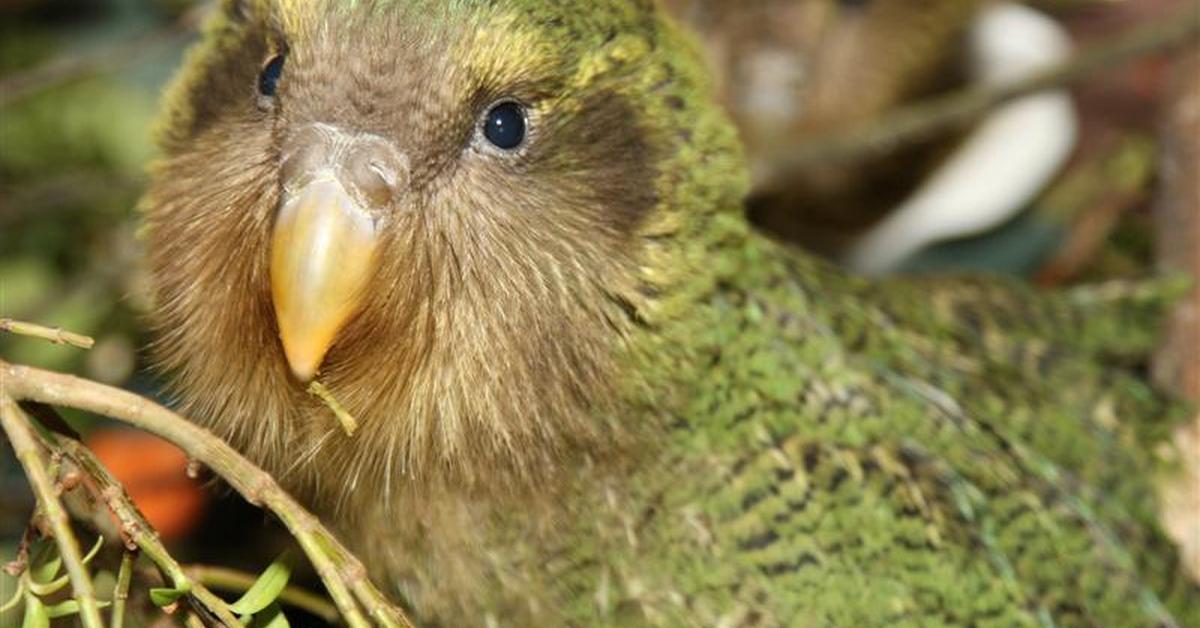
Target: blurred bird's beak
column 322, row 256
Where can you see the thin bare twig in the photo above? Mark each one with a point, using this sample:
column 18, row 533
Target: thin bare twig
column 121, row 589
column 20, row 433
column 333, row 562
column 926, row 119
column 347, row 420
column 56, row 335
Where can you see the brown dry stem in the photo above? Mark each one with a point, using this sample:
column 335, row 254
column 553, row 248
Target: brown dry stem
column 927, row 119
column 1178, row 240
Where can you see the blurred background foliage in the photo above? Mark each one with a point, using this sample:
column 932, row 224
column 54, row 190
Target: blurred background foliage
column 74, row 141
column 79, row 84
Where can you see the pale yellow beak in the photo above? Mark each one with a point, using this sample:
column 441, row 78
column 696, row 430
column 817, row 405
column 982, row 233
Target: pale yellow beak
column 322, row 256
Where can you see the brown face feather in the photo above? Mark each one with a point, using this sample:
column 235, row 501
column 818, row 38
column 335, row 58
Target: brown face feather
column 482, row 348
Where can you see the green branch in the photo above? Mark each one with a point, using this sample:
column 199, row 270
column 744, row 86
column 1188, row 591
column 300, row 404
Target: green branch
column 138, row 531
column 343, row 574
column 20, row 431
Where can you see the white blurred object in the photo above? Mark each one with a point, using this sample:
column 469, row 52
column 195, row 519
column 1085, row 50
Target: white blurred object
column 1006, row 160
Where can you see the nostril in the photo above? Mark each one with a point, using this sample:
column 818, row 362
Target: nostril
column 377, row 172
column 385, row 173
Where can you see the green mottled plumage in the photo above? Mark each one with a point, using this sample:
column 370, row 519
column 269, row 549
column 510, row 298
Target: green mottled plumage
column 860, row 455
column 864, row 455
column 771, row 442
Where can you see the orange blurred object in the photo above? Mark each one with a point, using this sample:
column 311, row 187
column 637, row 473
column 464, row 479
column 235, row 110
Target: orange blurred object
column 154, row 472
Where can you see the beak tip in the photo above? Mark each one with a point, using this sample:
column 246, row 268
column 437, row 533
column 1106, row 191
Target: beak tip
column 303, row 367
column 304, row 375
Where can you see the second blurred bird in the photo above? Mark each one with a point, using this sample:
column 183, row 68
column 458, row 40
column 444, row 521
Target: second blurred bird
column 793, row 71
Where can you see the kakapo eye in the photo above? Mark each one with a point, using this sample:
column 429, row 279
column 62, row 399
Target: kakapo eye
column 268, row 78
column 505, row 125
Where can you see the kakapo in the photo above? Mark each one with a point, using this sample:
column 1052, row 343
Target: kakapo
column 508, row 236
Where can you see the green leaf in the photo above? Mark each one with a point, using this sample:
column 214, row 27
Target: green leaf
column 62, row 609
column 266, row 589
column 164, row 596
column 48, row 588
column 44, row 561
column 35, row 614
column 12, row 601
column 271, row 617
column 95, row 550
column 69, row 607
